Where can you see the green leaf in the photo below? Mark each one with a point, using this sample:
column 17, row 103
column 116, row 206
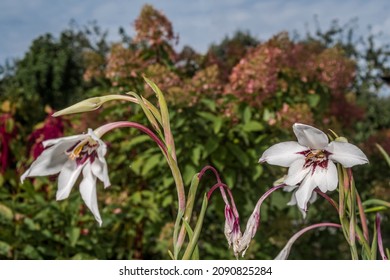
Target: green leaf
column 384, row 153
column 196, row 153
column 251, row 126
column 167, row 201
column 6, row 212
column 198, row 227
column 147, row 112
column 374, row 245
column 5, row 249
column 164, row 117
column 258, row 171
column 73, row 234
column 247, row 115
column 209, row 103
column 128, row 144
column 31, row 253
column 195, row 254
column 216, row 120
column 376, row 202
column 151, row 163
column 230, row 177
column 189, row 171
column 217, row 124
column 210, row 146
column 267, row 115
column 207, row 116
column 240, row 155
column 313, row 100
column 136, row 197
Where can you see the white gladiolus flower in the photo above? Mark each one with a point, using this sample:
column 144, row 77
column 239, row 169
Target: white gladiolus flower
column 69, row 156
column 311, row 162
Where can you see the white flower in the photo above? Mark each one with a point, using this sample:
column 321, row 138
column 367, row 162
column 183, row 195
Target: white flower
column 70, row 156
column 311, row 161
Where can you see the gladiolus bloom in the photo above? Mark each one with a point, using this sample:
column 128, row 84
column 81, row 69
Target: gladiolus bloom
column 69, row 156
column 311, row 161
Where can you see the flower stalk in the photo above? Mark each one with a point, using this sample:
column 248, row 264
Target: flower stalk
column 285, row 252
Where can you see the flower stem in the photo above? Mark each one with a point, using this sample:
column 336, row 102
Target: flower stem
column 283, row 255
column 330, row 200
column 363, row 218
column 380, row 242
column 194, row 240
column 171, row 162
column 100, row 131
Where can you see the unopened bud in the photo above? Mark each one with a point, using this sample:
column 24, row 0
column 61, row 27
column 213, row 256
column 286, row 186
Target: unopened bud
column 232, row 229
column 91, row 104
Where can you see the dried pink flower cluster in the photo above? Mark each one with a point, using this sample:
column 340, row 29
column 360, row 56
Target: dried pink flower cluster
column 275, row 64
column 123, row 64
column 290, row 114
column 255, row 77
column 205, row 82
column 153, row 27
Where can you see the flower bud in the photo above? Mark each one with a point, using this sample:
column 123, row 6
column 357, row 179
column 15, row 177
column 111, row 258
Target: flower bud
column 232, row 229
column 91, row 104
column 250, row 231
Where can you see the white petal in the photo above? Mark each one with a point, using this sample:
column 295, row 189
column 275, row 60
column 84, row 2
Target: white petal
column 293, row 200
column 304, row 192
column 289, row 188
column 309, row 136
column 48, row 163
column 102, row 146
column 68, row 176
column 313, row 197
column 296, row 172
column 100, row 170
column 88, row 192
column 347, row 154
column 69, row 140
column 283, row 154
column 326, row 178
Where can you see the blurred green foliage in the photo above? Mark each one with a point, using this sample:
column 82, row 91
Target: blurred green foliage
column 227, row 106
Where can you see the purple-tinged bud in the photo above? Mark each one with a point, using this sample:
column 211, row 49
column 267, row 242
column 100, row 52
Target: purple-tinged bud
column 232, row 228
column 250, row 231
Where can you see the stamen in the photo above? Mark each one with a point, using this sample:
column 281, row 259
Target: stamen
column 314, row 158
column 83, row 149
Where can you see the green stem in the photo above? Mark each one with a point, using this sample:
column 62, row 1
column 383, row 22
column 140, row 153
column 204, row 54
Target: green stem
column 352, row 223
column 188, row 211
column 365, row 244
column 376, row 202
column 181, row 199
column 363, row 218
column 194, row 241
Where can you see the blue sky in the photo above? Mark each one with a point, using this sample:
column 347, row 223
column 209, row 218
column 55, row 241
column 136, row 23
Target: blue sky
column 198, row 22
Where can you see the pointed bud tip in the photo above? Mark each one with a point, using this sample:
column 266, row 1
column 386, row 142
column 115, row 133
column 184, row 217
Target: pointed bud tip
column 262, row 160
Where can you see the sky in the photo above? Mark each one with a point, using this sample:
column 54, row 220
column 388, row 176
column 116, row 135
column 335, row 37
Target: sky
column 198, row 23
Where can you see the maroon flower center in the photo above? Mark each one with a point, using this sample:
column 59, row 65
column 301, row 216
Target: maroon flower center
column 83, row 150
column 315, row 158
